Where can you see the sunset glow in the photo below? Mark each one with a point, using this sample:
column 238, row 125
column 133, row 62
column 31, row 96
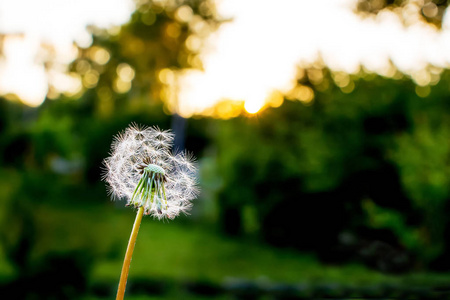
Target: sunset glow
column 258, row 53
column 247, row 59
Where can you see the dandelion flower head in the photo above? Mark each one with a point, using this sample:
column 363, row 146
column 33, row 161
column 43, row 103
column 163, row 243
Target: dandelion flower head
column 143, row 171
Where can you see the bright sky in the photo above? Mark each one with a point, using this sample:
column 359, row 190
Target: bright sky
column 56, row 22
column 258, row 52
column 246, row 59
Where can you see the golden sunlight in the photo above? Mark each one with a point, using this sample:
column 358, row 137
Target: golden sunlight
column 237, row 67
column 247, row 59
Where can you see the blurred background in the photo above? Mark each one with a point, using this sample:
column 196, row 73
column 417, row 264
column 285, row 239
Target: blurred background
column 321, row 128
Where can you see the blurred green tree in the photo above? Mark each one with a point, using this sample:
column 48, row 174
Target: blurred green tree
column 129, row 67
column 308, row 172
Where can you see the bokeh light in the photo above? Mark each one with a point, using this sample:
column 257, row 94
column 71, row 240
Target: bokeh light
column 234, row 65
column 230, row 64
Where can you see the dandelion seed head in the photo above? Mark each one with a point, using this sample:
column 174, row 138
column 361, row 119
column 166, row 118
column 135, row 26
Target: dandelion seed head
column 142, row 170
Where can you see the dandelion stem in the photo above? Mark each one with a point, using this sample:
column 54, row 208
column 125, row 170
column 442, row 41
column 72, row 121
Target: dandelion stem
column 129, row 254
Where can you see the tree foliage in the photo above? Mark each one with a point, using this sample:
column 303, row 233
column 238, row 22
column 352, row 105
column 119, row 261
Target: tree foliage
column 360, row 164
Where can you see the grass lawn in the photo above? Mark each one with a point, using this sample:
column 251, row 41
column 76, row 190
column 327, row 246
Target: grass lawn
column 182, row 251
column 191, row 252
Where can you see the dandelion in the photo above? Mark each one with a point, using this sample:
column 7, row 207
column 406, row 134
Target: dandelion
column 143, row 171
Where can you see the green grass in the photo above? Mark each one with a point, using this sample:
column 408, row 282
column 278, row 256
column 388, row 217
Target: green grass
column 181, row 251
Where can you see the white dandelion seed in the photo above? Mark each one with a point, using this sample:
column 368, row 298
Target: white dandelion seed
column 143, row 171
